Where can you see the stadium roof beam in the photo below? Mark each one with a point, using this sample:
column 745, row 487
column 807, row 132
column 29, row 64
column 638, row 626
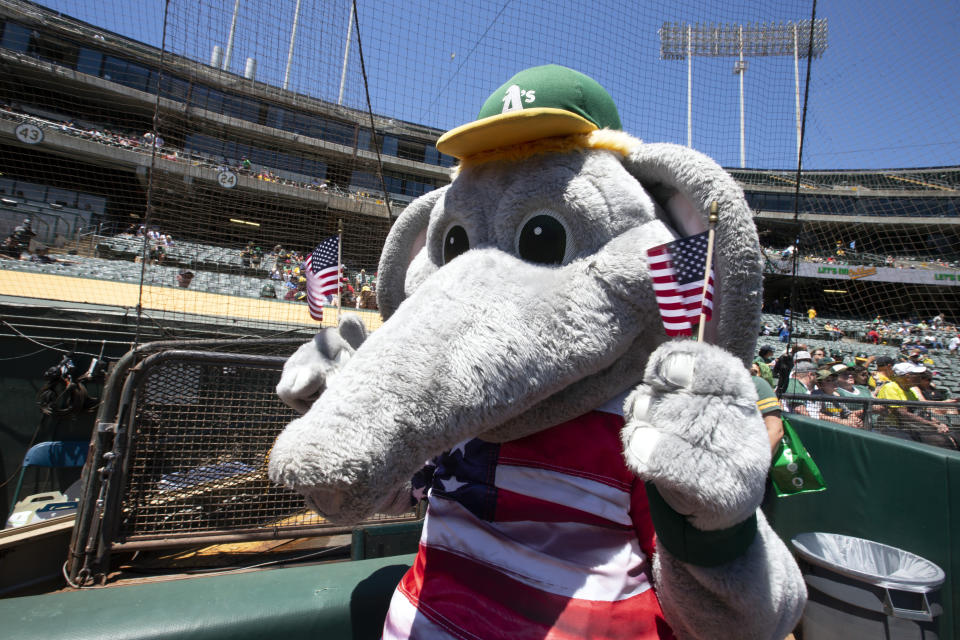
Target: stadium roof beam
column 801, row 39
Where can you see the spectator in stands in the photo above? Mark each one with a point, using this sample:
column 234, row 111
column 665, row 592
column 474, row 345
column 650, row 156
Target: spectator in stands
column 906, row 376
column 819, row 357
column 158, row 253
column 784, row 332
column 41, row 255
column 24, row 233
column 763, row 360
column 802, row 382
column 936, row 321
column 784, row 365
column 827, row 384
column 811, row 314
column 854, row 382
column 873, row 335
column 267, row 291
column 10, row 248
column 884, row 373
column 361, row 279
column 833, row 331
column 927, row 390
column 184, row 278
column 918, row 356
column 367, row 299
column 348, row 296
column 954, row 343
column 299, row 292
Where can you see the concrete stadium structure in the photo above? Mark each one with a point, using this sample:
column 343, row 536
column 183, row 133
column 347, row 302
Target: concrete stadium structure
column 91, row 94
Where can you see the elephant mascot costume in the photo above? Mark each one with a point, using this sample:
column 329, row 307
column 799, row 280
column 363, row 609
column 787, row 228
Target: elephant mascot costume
column 587, row 476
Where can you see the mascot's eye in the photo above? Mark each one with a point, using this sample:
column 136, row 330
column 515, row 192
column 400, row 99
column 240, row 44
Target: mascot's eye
column 455, row 243
column 543, row 239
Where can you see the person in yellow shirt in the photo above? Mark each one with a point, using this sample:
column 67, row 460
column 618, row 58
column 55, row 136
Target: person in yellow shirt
column 811, row 313
column 905, row 376
column 883, row 374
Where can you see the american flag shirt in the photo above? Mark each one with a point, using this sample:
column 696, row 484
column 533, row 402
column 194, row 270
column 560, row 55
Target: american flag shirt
column 548, row 536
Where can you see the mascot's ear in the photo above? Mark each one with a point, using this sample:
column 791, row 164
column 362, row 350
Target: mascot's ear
column 406, row 239
column 685, row 183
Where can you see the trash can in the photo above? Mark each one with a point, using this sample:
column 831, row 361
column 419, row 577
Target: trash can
column 859, row 589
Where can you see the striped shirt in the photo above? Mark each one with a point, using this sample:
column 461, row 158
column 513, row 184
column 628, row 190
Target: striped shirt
column 548, row 536
column 767, row 401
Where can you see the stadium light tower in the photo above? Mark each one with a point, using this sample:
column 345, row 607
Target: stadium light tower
column 683, row 41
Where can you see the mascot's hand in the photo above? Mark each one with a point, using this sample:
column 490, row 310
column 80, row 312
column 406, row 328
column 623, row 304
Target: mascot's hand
column 693, row 429
column 306, row 372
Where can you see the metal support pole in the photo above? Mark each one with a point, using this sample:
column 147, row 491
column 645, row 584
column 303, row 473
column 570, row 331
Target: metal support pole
column 293, row 39
column 346, row 56
column 796, row 82
column 743, row 153
column 689, row 87
column 233, row 31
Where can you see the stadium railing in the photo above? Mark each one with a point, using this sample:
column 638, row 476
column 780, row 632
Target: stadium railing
column 881, row 416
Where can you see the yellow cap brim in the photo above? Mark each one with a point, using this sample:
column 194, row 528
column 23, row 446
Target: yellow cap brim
column 515, row 127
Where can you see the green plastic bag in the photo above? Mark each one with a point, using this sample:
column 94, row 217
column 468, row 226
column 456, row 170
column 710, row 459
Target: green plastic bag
column 794, row 471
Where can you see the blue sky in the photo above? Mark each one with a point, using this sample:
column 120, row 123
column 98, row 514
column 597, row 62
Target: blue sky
column 885, row 94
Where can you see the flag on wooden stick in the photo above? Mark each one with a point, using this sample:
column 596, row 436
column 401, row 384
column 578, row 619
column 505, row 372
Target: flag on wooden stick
column 677, row 270
column 322, row 269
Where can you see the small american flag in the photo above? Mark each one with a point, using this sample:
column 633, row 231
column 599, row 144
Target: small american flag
column 322, row 269
column 677, row 270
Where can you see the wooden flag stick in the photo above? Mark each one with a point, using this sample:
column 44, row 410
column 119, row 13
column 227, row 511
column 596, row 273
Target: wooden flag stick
column 714, row 208
column 340, row 269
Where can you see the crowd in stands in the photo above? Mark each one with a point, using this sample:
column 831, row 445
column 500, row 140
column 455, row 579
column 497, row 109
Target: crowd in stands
column 247, row 272
column 935, row 333
column 144, row 143
column 839, row 387
column 780, row 260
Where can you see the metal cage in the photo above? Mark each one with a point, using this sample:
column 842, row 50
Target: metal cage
column 180, row 450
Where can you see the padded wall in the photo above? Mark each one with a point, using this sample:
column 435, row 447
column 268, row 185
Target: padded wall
column 884, row 489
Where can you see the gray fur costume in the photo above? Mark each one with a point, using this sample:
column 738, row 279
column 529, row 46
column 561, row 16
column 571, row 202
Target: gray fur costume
column 486, row 344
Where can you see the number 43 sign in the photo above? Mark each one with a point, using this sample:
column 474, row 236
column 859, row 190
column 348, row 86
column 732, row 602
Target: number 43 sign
column 29, row 133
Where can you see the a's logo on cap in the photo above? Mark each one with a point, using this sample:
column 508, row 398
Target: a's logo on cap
column 514, row 98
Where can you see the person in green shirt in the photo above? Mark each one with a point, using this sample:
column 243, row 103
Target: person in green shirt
column 854, row 382
column 802, row 383
column 832, row 411
column 763, row 360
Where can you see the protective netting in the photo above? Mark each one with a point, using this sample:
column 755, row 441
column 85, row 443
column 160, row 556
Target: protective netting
column 239, row 135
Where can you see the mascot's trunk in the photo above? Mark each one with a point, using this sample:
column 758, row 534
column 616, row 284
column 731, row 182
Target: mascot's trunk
column 481, row 341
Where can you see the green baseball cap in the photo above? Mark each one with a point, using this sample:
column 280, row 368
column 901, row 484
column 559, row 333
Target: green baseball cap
column 539, row 102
